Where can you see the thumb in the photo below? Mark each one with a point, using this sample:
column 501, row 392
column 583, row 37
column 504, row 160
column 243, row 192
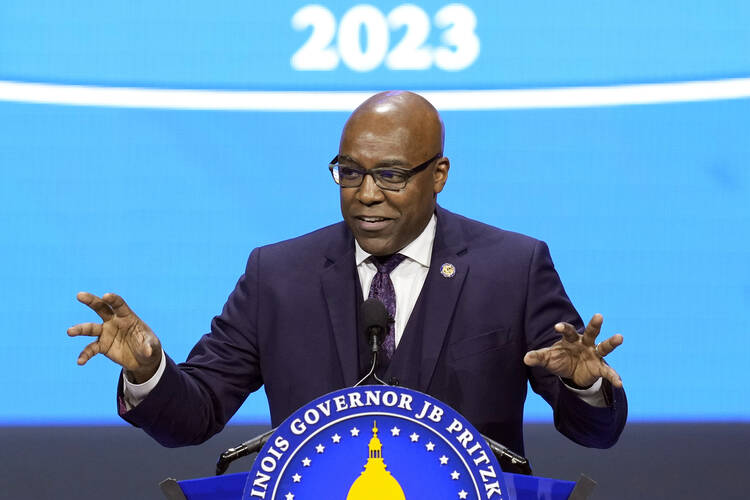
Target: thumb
column 150, row 349
column 146, row 350
column 533, row 358
column 147, row 357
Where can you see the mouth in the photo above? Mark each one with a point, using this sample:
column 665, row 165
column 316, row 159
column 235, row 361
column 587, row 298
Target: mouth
column 372, row 223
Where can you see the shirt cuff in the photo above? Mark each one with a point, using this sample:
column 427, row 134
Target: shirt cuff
column 592, row 396
column 133, row 394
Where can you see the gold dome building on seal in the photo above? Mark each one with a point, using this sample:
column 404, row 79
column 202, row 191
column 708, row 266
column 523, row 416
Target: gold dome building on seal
column 375, row 482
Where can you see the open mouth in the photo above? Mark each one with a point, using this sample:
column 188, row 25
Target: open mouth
column 372, row 223
column 372, row 219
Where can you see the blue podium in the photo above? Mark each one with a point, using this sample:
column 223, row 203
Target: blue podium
column 230, row 487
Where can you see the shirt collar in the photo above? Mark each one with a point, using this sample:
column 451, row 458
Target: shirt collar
column 419, row 250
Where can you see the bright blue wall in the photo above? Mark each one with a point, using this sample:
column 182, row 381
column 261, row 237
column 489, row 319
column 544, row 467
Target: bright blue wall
column 646, row 208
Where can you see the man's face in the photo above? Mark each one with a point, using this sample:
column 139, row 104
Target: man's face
column 383, row 222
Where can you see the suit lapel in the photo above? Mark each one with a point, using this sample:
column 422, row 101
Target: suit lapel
column 441, row 292
column 340, row 283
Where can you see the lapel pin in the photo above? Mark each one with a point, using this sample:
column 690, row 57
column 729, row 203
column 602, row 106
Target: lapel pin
column 448, row 270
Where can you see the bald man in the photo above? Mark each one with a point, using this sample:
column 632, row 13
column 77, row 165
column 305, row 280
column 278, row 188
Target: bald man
column 478, row 312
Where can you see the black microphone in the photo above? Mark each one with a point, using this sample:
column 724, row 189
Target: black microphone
column 242, row 450
column 509, row 460
column 374, row 320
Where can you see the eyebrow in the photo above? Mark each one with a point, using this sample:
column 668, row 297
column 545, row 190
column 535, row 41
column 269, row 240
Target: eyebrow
column 382, row 163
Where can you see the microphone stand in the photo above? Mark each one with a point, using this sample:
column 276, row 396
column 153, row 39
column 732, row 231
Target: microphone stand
column 372, row 373
column 373, row 335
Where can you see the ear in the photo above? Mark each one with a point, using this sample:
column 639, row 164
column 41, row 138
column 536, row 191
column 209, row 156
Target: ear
column 440, row 174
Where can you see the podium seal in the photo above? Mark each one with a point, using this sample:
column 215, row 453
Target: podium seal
column 375, row 442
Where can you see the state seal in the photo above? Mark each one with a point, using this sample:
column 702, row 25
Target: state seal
column 376, row 442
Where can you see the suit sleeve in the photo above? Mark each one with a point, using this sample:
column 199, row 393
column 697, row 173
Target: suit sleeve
column 547, row 304
column 195, row 399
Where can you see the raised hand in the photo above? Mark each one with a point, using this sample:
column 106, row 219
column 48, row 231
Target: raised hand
column 577, row 357
column 122, row 337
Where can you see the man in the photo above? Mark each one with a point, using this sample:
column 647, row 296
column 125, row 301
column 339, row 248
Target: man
column 477, row 311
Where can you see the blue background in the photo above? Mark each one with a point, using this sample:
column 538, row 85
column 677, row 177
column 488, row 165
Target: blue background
column 646, row 208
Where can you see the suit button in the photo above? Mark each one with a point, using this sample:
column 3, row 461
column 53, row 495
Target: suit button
column 393, row 381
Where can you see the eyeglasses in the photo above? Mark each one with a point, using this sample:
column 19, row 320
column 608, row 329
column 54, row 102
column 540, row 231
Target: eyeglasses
column 388, row 178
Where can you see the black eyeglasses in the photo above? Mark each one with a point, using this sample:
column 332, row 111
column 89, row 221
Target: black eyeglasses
column 388, row 178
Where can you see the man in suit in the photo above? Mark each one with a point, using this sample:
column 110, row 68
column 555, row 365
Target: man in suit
column 477, row 311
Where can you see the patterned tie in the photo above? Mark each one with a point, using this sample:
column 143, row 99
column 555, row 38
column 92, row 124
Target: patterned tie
column 382, row 289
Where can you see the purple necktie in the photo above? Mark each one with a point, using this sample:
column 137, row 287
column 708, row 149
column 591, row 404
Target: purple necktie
column 382, row 289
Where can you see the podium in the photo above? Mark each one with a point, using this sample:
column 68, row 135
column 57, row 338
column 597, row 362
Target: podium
column 383, row 442
column 230, row 487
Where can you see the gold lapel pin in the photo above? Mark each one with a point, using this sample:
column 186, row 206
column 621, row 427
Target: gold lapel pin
column 448, row 270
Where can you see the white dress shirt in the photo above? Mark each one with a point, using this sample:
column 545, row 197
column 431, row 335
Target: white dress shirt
column 408, row 277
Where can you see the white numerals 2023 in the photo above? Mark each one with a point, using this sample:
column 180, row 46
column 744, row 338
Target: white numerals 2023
column 363, row 38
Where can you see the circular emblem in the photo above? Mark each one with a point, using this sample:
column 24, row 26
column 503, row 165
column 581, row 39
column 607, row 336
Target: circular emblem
column 448, row 270
column 375, row 442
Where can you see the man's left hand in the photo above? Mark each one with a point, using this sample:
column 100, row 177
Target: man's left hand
column 577, row 357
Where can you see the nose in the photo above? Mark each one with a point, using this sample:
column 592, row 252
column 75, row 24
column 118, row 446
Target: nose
column 368, row 193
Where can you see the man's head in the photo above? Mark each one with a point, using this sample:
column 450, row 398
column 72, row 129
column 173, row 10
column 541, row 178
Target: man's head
column 392, row 129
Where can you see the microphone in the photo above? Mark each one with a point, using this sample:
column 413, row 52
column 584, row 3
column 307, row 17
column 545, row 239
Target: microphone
column 253, row 445
column 509, row 460
column 374, row 320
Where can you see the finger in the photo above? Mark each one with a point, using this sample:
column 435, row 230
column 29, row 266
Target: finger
column 538, row 357
column 568, row 331
column 88, row 329
column 98, row 305
column 118, row 304
column 609, row 345
column 88, row 352
column 593, row 329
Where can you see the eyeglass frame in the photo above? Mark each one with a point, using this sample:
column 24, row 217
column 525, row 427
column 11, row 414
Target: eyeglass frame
column 407, row 172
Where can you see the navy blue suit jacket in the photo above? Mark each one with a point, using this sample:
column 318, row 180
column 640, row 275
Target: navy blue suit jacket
column 291, row 325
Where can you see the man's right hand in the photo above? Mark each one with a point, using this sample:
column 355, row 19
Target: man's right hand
column 122, row 337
